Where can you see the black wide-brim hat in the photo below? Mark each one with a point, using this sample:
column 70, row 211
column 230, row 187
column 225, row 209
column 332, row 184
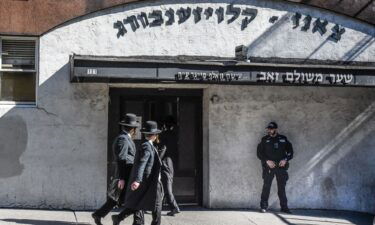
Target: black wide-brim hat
column 151, row 127
column 130, row 120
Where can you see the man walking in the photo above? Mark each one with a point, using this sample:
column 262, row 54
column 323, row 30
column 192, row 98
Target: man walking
column 145, row 191
column 124, row 150
column 274, row 151
column 168, row 141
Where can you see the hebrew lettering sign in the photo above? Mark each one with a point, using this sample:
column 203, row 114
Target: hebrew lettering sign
column 293, row 77
column 218, row 73
column 300, row 77
column 228, row 14
column 208, row 76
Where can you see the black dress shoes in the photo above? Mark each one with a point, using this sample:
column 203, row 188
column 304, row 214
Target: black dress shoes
column 173, row 212
column 115, row 220
column 97, row 219
column 286, row 210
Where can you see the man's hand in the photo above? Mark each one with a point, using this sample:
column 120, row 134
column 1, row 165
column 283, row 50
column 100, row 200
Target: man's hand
column 270, row 164
column 121, row 184
column 135, row 185
column 282, row 163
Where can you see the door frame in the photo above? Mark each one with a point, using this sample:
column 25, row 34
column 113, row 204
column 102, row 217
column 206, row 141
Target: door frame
column 115, row 96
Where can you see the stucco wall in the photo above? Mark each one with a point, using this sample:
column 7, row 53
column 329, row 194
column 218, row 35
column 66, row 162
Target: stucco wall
column 332, row 132
column 55, row 155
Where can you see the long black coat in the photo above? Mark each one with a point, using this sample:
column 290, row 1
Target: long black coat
column 146, row 171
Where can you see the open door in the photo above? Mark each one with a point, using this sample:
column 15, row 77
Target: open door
column 185, row 106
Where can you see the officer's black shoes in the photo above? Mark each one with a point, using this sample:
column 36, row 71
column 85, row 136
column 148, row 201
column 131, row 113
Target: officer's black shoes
column 263, row 210
column 173, row 212
column 97, row 219
column 286, row 210
column 115, row 220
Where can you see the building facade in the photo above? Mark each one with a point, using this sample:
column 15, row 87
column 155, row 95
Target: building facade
column 311, row 70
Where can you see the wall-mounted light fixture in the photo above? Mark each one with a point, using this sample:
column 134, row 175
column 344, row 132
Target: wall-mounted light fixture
column 241, row 53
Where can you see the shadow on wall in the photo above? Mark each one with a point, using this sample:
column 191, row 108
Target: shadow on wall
column 290, row 7
column 343, row 161
column 272, row 4
column 358, row 48
column 13, row 141
column 63, row 121
column 349, row 56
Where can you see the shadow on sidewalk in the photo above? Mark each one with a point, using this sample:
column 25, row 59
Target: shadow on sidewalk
column 306, row 217
column 301, row 217
column 42, row 222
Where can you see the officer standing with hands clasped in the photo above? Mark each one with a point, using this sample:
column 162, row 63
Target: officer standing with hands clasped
column 275, row 152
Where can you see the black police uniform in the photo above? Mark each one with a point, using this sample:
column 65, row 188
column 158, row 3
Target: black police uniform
column 275, row 149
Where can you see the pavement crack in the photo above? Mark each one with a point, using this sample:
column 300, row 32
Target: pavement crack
column 75, row 216
column 48, row 113
column 252, row 222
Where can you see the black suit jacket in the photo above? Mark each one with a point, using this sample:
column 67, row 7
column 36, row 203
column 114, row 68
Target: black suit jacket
column 124, row 150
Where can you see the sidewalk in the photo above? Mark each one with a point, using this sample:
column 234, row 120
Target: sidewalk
column 192, row 216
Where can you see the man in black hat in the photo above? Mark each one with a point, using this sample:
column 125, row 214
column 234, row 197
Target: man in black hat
column 168, row 142
column 274, row 151
column 124, row 151
column 145, row 191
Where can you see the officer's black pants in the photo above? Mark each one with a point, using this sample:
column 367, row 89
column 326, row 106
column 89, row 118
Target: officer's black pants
column 281, row 178
column 110, row 204
column 167, row 181
column 156, row 214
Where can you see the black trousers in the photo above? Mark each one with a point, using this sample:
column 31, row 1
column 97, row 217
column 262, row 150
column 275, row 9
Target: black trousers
column 281, row 178
column 167, row 181
column 138, row 218
column 110, row 203
column 156, row 214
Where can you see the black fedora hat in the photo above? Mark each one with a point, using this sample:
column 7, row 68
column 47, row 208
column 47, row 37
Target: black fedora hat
column 151, row 127
column 130, row 120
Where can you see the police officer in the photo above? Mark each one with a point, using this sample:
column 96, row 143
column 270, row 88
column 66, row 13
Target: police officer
column 275, row 152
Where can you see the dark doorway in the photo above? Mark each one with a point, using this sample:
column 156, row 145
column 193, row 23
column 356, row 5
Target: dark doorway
column 185, row 106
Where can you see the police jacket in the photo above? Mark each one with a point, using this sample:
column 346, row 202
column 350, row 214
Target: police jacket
column 275, row 149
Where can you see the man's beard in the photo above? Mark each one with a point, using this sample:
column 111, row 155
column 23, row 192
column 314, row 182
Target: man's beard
column 272, row 133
